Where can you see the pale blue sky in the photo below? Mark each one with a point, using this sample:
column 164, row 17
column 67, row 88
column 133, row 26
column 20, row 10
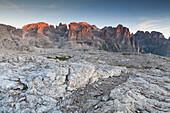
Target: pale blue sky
column 147, row 15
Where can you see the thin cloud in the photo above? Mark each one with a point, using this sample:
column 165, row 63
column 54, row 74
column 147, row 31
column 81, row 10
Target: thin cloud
column 161, row 29
column 151, row 24
column 11, row 5
column 148, row 24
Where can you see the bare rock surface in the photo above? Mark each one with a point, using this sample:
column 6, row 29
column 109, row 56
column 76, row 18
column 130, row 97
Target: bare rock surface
column 91, row 81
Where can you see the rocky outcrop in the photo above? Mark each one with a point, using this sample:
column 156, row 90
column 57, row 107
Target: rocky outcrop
column 47, row 31
column 9, row 36
column 18, row 39
column 82, row 34
column 37, row 27
column 80, row 31
column 153, row 42
column 118, row 32
column 119, row 39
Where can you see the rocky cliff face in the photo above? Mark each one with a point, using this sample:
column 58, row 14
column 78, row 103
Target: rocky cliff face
column 119, row 39
column 113, row 39
column 9, row 36
column 80, row 32
column 153, row 42
column 12, row 38
column 44, row 29
column 37, row 27
column 83, row 35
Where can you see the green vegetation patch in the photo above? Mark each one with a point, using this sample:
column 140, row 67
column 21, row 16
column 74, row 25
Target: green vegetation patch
column 60, row 58
column 142, row 71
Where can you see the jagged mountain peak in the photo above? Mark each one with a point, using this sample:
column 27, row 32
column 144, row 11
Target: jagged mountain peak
column 74, row 25
column 152, row 34
column 119, row 26
column 38, row 26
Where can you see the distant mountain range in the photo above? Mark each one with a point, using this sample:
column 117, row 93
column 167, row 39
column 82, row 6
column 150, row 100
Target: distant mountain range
column 83, row 36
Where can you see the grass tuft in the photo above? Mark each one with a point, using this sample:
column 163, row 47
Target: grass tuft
column 59, row 58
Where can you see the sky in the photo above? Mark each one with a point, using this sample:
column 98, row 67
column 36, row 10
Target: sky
column 144, row 15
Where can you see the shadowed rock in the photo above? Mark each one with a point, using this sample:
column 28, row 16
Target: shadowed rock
column 153, row 42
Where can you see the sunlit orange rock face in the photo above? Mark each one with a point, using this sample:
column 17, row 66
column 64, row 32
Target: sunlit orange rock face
column 123, row 35
column 77, row 26
column 122, row 31
column 38, row 26
column 119, row 30
column 80, row 31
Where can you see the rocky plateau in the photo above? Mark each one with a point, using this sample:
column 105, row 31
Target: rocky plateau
column 83, row 81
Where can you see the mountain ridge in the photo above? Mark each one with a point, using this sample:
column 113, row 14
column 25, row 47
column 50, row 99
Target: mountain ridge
column 82, row 34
